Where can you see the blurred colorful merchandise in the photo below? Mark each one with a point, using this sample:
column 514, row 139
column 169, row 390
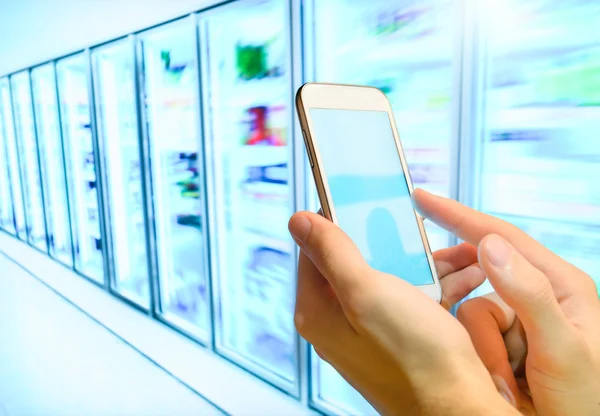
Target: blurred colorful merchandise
column 409, row 22
column 574, row 80
column 261, row 129
column 267, row 277
column 171, row 72
column 252, row 61
column 275, row 174
column 190, row 187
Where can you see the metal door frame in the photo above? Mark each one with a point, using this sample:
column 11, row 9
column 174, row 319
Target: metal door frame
column 8, row 174
column 14, row 122
column 75, row 241
column 38, row 160
column 110, row 284
column 198, row 335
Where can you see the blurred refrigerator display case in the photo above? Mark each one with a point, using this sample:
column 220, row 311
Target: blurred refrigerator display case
column 28, row 158
column 171, row 96
column 540, row 157
column 7, row 216
column 52, row 163
column 247, row 93
column 81, row 165
column 408, row 49
column 12, row 156
column 115, row 92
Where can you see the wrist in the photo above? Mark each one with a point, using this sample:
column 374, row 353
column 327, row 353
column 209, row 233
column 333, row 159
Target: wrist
column 463, row 387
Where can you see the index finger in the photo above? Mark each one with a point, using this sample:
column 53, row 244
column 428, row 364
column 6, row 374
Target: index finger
column 472, row 226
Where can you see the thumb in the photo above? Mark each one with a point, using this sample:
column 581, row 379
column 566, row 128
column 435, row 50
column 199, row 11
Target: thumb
column 524, row 288
column 331, row 251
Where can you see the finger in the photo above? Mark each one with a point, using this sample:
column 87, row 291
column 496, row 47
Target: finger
column 318, row 315
column 525, row 289
column 458, row 272
column 472, row 226
column 515, row 340
column 453, row 259
column 486, row 319
column 458, row 285
column 332, row 252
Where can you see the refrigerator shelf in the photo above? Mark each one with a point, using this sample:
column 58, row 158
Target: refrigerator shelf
column 543, row 117
column 255, row 92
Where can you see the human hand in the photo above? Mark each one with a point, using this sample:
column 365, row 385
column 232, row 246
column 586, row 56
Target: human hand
column 401, row 350
column 539, row 335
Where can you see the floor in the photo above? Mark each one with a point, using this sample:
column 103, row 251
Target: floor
column 56, row 360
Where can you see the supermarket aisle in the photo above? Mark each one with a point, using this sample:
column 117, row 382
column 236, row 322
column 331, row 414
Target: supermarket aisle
column 55, row 360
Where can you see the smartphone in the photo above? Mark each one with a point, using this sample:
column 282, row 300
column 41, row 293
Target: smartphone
column 363, row 180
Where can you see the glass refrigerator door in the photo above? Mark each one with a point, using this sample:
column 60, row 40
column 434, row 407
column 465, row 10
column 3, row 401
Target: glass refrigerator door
column 247, row 102
column 540, row 159
column 81, row 165
column 52, row 163
column 406, row 48
column 171, row 89
column 7, row 218
column 12, row 157
column 118, row 136
column 28, row 157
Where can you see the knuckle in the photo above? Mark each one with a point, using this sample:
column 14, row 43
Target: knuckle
column 306, row 323
column 360, row 306
column 320, row 354
column 538, row 288
column 457, row 225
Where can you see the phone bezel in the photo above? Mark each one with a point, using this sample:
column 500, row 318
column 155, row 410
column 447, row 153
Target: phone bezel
column 353, row 97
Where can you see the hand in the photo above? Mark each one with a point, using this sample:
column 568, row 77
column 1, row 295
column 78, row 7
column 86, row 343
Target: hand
column 543, row 323
column 401, row 350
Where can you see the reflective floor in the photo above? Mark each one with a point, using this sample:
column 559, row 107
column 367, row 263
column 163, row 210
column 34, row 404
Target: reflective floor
column 56, row 360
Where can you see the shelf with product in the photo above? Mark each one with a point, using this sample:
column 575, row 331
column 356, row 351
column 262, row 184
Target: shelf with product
column 262, row 173
column 388, row 34
column 171, row 88
column 541, row 27
column 262, row 330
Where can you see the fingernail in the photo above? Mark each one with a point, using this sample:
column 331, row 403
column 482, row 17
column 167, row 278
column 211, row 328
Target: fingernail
column 503, row 389
column 299, row 228
column 498, row 251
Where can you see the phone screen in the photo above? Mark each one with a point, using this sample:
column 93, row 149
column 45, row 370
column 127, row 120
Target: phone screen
column 369, row 190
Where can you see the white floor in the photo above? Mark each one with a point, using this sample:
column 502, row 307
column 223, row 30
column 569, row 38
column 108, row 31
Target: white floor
column 56, row 360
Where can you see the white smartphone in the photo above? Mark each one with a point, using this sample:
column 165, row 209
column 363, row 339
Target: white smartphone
column 363, row 180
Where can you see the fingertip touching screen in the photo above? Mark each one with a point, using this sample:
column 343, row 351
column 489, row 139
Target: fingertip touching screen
column 369, row 190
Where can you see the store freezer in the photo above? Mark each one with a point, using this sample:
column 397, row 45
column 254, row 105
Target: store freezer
column 12, row 159
column 540, row 155
column 117, row 127
column 52, row 163
column 7, row 216
column 410, row 50
column 25, row 133
column 247, row 102
column 171, row 97
column 80, row 158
